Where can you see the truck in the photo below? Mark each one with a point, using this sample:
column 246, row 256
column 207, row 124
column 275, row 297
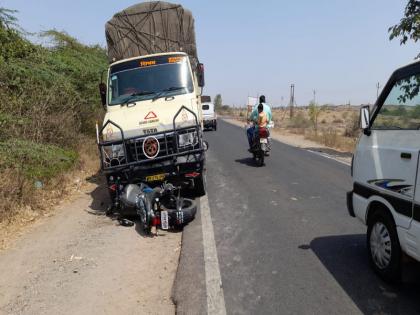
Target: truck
column 386, row 174
column 152, row 130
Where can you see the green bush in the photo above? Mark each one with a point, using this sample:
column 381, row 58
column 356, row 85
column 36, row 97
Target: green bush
column 35, row 161
column 53, row 89
column 49, row 103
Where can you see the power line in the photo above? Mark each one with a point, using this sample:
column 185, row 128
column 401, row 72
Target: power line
column 377, row 90
column 292, row 99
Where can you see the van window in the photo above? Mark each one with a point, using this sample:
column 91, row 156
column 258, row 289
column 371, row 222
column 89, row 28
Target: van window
column 206, row 107
column 401, row 109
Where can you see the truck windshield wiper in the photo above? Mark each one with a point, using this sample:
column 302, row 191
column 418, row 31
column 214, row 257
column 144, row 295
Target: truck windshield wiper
column 134, row 95
column 163, row 92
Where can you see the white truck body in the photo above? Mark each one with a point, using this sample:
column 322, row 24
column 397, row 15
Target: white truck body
column 147, row 114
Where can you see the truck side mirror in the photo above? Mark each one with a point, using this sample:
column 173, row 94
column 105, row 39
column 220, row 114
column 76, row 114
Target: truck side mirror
column 102, row 93
column 365, row 118
column 200, row 76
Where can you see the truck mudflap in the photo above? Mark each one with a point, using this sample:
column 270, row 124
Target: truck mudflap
column 181, row 145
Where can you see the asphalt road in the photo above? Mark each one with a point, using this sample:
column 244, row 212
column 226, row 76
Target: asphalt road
column 285, row 242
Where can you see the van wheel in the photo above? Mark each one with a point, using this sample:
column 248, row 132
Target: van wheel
column 384, row 247
column 215, row 127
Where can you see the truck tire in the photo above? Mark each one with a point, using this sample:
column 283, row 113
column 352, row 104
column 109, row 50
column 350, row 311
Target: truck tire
column 215, row 126
column 384, row 247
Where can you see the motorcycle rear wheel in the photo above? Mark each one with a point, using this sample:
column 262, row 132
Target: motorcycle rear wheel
column 260, row 161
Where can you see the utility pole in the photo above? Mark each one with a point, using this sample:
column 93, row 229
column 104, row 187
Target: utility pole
column 377, row 90
column 292, row 99
column 314, row 97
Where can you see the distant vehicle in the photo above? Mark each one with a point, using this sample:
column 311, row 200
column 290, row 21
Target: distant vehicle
column 209, row 116
column 152, row 129
column 386, row 177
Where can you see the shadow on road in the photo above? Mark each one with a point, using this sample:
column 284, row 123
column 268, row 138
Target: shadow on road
column 100, row 200
column 249, row 161
column 345, row 257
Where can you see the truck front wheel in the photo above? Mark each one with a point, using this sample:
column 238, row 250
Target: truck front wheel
column 200, row 185
column 384, row 247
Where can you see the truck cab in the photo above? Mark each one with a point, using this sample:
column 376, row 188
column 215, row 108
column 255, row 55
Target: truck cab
column 209, row 116
column 152, row 130
column 385, row 172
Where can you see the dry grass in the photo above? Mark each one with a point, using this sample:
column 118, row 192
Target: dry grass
column 21, row 203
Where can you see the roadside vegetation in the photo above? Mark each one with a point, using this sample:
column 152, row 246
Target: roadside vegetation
column 48, row 107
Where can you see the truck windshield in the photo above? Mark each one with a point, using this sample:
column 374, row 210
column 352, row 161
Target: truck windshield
column 149, row 78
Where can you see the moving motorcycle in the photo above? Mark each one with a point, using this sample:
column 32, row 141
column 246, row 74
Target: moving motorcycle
column 261, row 145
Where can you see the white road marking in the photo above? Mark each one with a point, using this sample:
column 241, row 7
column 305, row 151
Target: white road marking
column 328, row 157
column 214, row 288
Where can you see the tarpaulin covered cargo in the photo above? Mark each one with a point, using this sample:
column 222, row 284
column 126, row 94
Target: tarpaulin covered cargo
column 151, row 27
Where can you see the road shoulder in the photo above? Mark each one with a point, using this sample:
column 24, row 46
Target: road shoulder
column 189, row 290
column 81, row 262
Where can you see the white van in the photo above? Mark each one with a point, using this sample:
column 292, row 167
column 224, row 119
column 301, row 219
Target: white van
column 385, row 171
column 209, row 116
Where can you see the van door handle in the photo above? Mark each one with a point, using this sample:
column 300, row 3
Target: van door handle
column 406, row 155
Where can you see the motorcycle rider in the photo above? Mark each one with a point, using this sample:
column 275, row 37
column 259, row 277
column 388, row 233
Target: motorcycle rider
column 254, row 118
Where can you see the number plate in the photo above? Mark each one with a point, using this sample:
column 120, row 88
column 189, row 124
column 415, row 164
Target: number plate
column 164, row 221
column 263, row 140
column 155, row 178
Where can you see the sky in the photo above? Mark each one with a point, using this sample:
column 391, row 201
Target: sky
column 338, row 48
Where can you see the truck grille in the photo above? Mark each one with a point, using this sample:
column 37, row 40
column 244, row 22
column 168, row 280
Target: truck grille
column 167, row 144
column 135, row 147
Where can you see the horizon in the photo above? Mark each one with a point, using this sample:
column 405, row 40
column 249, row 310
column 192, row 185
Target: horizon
column 341, row 50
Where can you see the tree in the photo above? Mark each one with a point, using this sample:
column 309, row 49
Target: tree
column 7, row 18
column 314, row 112
column 409, row 25
column 218, row 102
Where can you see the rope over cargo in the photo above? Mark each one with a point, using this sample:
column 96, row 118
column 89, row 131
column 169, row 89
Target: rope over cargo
column 149, row 28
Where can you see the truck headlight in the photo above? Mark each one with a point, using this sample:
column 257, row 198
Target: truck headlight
column 114, row 151
column 186, row 139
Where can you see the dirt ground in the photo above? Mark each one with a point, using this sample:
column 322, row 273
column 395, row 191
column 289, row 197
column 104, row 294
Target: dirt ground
column 78, row 261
